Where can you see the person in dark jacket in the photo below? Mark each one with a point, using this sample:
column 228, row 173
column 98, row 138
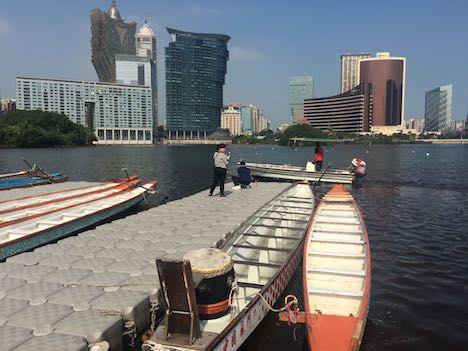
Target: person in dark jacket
column 221, row 160
column 244, row 177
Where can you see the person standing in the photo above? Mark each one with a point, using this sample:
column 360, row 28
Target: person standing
column 318, row 157
column 221, row 160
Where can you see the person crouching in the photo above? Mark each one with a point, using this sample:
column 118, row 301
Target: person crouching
column 243, row 178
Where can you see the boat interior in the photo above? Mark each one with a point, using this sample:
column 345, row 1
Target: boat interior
column 61, row 214
column 336, row 261
column 261, row 247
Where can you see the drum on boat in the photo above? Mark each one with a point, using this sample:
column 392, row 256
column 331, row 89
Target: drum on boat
column 213, row 291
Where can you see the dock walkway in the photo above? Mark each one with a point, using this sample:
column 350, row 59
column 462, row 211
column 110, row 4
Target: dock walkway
column 102, row 285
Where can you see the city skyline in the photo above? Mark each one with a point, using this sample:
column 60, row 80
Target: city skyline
column 38, row 42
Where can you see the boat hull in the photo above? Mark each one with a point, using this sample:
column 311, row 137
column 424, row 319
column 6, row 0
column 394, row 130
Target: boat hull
column 61, row 231
column 336, row 331
column 248, row 320
column 300, row 174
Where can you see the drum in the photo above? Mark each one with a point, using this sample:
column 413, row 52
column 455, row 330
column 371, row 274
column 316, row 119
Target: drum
column 213, row 291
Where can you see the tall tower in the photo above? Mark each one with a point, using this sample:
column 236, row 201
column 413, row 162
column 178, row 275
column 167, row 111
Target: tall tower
column 146, row 42
column 438, row 109
column 146, row 47
column 195, row 73
column 110, row 35
column 383, row 78
column 350, row 70
column 300, row 88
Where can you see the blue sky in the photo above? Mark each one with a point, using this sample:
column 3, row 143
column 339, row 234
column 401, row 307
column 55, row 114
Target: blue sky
column 271, row 40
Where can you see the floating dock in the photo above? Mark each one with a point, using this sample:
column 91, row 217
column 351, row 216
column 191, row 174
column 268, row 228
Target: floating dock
column 102, row 285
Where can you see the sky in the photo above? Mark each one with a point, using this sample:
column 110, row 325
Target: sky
column 270, row 41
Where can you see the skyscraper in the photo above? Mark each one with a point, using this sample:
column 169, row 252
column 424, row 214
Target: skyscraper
column 438, row 109
column 110, row 36
column 195, row 74
column 350, row 70
column 300, row 88
column 383, row 81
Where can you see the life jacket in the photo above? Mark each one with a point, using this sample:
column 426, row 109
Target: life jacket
column 319, row 154
column 359, row 166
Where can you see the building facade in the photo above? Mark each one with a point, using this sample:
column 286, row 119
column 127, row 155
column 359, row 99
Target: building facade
column 300, row 88
column 7, row 105
column 231, row 119
column 246, row 116
column 195, row 75
column 118, row 114
column 340, row 113
column 438, row 109
column 110, row 35
column 416, row 125
column 263, row 123
column 383, row 78
column 350, row 70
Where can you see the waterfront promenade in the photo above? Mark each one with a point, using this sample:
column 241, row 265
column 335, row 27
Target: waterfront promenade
column 102, row 285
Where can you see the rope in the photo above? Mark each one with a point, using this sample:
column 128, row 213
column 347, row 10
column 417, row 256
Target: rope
column 129, row 325
column 290, row 306
column 154, row 317
column 150, row 345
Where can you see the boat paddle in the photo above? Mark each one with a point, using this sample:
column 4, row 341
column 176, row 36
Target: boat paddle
column 318, row 181
column 151, row 191
column 38, row 170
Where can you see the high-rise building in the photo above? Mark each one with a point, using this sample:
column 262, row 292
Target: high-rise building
column 383, row 79
column 195, row 75
column 231, row 119
column 118, row 114
column 339, row 113
column 438, row 109
column 110, row 36
column 262, row 123
column 350, row 70
column 146, row 42
column 300, row 88
column 246, row 115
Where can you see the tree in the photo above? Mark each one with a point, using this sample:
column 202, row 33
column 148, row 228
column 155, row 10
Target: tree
column 42, row 129
column 300, row 131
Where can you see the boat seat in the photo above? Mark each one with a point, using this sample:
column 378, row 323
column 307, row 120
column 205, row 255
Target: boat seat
column 336, row 254
column 331, row 221
column 336, row 292
column 333, row 230
column 356, row 273
column 325, row 240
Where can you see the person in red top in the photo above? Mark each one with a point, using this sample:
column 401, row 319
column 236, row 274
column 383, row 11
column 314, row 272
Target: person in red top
column 318, row 157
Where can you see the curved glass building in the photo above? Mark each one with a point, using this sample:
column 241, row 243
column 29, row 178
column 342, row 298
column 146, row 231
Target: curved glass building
column 340, row 113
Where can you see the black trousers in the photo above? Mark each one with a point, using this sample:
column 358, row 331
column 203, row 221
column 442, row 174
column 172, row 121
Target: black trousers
column 237, row 181
column 219, row 176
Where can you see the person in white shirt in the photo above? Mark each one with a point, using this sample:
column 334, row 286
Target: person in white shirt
column 221, row 161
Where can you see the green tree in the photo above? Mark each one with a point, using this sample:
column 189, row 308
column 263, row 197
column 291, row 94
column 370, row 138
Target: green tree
column 300, row 131
column 42, row 129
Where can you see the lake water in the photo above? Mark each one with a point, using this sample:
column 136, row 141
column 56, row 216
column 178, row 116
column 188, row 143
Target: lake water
column 415, row 202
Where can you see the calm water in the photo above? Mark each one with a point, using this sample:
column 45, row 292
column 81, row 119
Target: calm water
column 415, row 201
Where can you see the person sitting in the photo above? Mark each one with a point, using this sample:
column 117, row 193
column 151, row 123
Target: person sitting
column 244, row 177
